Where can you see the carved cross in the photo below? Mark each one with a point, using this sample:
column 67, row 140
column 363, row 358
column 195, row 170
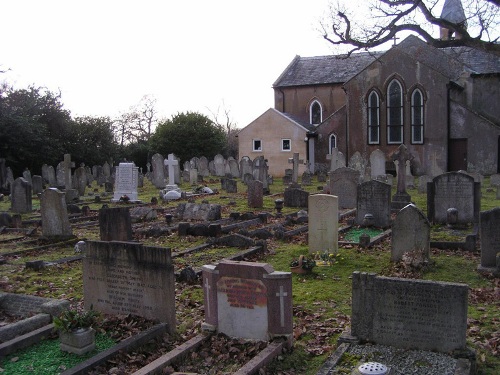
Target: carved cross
column 207, row 292
column 401, row 156
column 170, row 162
column 282, row 294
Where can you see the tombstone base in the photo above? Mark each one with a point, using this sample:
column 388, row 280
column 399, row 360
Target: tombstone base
column 495, row 271
column 171, row 188
column 399, row 201
column 206, row 327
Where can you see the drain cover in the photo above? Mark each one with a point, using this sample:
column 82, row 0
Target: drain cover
column 372, row 368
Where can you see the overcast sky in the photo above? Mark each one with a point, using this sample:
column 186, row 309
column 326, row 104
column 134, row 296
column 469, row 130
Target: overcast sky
column 191, row 55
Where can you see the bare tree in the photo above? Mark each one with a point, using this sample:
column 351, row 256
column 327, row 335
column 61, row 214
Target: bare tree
column 224, row 121
column 389, row 18
column 139, row 123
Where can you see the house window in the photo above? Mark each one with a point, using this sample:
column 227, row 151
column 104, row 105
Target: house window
column 286, row 145
column 417, row 117
column 394, row 113
column 315, row 111
column 257, row 145
column 373, row 119
column 333, row 142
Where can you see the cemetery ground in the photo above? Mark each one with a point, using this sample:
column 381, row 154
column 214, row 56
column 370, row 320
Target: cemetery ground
column 321, row 299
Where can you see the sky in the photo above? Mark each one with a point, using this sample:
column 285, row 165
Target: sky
column 190, row 55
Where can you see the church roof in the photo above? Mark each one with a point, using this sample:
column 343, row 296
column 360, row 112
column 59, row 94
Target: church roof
column 318, row 70
column 478, row 61
column 453, row 11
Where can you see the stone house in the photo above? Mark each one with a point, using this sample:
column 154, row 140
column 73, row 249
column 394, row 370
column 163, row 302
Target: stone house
column 441, row 103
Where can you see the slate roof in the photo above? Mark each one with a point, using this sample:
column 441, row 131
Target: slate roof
column 304, row 124
column 453, row 11
column 318, row 70
column 480, row 62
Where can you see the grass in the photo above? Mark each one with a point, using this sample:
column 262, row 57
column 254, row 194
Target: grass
column 322, row 299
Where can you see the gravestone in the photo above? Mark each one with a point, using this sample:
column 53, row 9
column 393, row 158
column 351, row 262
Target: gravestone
column 60, row 175
column 323, row 223
column 409, row 178
column 171, row 163
column 21, row 196
column 490, row 240
column 247, row 177
column 246, row 166
column 422, row 183
column 255, row 194
column 401, row 198
column 106, row 171
column 115, row 224
column 294, row 197
column 198, row 211
column 67, row 165
column 203, row 167
column 295, row 161
column 3, row 174
column 377, row 163
column 306, row 178
column 248, row 300
column 374, row 197
column 193, row 176
column 126, row 182
column 37, row 184
column 27, row 176
column 122, row 278
column 233, row 167
column 220, row 165
column 411, row 232
column 357, row 163
column 495, row 179
column 453, row 190
column 337, row 159
column 81, row 180
column 55, row 222
column 260, row 172
column 344, row 184
column 158, row 171
column 231, row 185
column 408, row 313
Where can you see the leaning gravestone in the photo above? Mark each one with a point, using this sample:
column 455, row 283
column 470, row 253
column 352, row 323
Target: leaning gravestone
column 123, row 278
column 408, row 313
column 323, row 223
column 21, row 196
column 115, row 224
column 374, row 197
column 490, row 240
column 55, row 222
column 453, row 190
column 344, row 184
column 126, row 182
column 411, row 232
column 248, row 300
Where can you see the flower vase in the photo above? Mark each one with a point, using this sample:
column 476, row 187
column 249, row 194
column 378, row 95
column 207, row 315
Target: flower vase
column 79, row 341
column 298, row 268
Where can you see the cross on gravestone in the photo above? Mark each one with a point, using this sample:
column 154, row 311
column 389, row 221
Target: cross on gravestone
column 295, row 162
column 401, row 155
column 170, row 162
column 207, row 291
column 281, row 295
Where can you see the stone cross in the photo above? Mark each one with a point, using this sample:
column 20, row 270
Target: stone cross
column 281, row 295
column 170, row 162
column 295, row 161
column 401, row 155
column 207, row 291
column 68, row 164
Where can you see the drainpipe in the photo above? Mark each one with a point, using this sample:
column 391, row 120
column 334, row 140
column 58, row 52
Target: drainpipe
column 448, row 125
column 346, row 126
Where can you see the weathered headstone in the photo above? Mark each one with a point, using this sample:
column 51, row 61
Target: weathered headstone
column 411, row 232
column 234, row 167
column 171, row 163
column 337, row 160
column 377, row 163
column 67, row 165
column 37, row 184
column 344, row 184
column 126, row 182
column 295, row 161
column 246, row 166
column 453, row 190
column 255, row 194
column 374, row 197
column 323, row 223
column 55, row 222
column 422, row 183
column 357, row 163
column 293, row 197
column 408, row 313
column 21, row 196
column 490, row 240
column 200, row 212
column 51, row 176
column 122, row 278
column 248, row 300
column 231, row 185
column 495, row 179
column 27, row 176
column 306, row 178
column 158, row 171
column 81, row 180
column 193, row 176
column 401, row 198
column 115, row 224
column 220, row 165
column 203, row 167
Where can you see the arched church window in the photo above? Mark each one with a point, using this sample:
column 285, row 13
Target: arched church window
column 316, row 115
column 394, row 113
column 373, row 118
column 417, row 117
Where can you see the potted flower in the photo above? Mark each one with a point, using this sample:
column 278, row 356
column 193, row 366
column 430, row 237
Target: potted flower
column 75, row 330
column 302, row 265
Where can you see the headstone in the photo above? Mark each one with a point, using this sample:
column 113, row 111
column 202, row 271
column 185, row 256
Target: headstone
column 323, row 223
column 409, row 313
column 193, row 176
column 60, row 175
column 233, row 167
column 409, row 179
column 377, row 163
column 344, row 184
column 198, row 211
column 55, row 222
column 260, row 172
column 294, row 197
column 67, row 165
column 246, row 166
column 171, row 163
column 106, row 171
column 37, row 184
column 495, row 179
column 21, row 196
column 357, row 163
column 295, row 167
column 490, row 239
column 374, row 197
column 411, row 232
column 126, row 182
column 10, row 179
column 158, row 171
column 3, row 174
column 248, row 300
column 337, row 159
column 422, row 183
column 231, row 185
column 220, row 165
column 81, row 180
column 255, row 194
column 401, row 198
column 27, row 176
column 453, row 190
column 122, row 278
column 203, row 167
column 247, row 177
column 306, row 178
column 51, row 175
column 115, row 224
